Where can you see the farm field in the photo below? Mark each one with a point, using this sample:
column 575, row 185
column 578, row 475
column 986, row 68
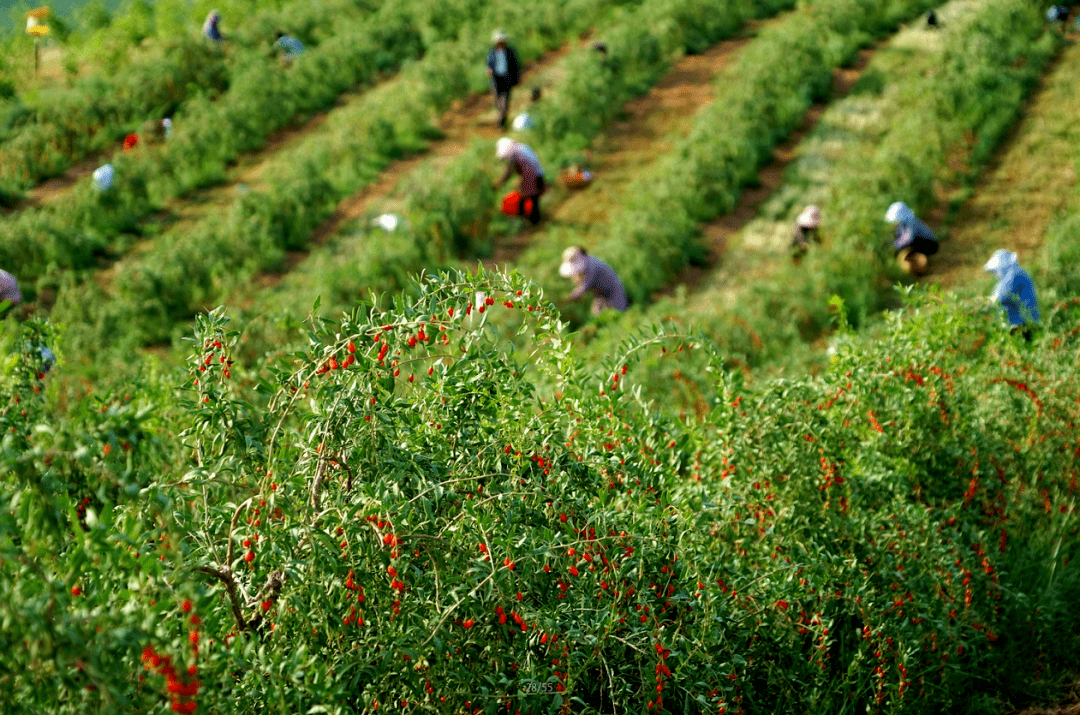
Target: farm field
column 262, row 453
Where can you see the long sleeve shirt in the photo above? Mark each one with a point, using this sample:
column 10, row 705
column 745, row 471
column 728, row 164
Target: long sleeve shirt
column 908, row 231
column 9, row 288
column 602, row 280
column 1016, row 293
column 523, row 161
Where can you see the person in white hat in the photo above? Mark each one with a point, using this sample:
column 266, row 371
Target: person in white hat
column 914, row 240
column 505, row 73
column 806, row 230
column 592, row 274
column 522, row 159
column 1015, row 291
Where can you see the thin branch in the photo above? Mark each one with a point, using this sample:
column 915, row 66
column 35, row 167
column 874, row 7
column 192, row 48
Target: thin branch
column 226, row 577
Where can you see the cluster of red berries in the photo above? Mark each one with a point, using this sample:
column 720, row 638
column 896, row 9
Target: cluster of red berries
column 182, row 691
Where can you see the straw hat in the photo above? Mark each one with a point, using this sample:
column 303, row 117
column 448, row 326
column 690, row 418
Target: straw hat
column 573, row 262
column 503, row 147
column 499, row 36
column 810, row 217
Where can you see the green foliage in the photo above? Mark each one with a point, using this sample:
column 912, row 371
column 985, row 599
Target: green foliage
column 393, row 512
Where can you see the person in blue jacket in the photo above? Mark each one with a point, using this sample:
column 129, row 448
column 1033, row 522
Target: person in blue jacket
column 914, row 240
column 1015, row 291
column 505, row 73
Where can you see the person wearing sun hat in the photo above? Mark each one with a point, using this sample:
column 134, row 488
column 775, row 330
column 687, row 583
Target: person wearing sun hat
column 914, row 240
column 522, row 159
column 806, row 230
column 505, row 73
column 1015, row 291
column 592, row 274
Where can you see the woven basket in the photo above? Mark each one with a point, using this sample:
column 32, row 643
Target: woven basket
column 912, row 262
column 575, row 179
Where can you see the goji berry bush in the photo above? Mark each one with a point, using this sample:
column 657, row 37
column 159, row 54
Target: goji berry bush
column 434, row 506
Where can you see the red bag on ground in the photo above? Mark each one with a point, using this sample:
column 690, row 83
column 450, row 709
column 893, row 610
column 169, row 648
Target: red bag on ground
column 511, row 204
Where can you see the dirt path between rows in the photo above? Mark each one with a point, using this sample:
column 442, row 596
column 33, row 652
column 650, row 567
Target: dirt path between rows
column 1031, row 178
column 718, row 233
column 649, row 127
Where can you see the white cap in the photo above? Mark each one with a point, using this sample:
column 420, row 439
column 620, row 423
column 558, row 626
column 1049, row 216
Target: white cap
column 1000, row 261
column 573, row 262
column 899, row 212
column 103, row 177
column 523, row 121
column 388, row 221
column 503, row 147
column 810, row 217
column 499, row 36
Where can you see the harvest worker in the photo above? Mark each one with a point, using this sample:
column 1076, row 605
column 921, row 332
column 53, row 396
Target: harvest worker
column 914, row 239
column 806, row 230
column 1014, row 291
column 9, row 289
column 523, row 160
column 291, row 46
column 1058, row 13
column 210, row 27
column 592, row 274
column 505, row 73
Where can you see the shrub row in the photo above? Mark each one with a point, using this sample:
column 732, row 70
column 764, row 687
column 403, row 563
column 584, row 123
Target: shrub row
column 44, row 136
column 208, row 136
column 393, row 516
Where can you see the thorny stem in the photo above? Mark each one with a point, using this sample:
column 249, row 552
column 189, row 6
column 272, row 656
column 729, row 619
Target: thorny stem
column 226, row 577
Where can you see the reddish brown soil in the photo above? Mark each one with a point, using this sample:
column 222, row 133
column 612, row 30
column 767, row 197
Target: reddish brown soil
column 649, row 126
